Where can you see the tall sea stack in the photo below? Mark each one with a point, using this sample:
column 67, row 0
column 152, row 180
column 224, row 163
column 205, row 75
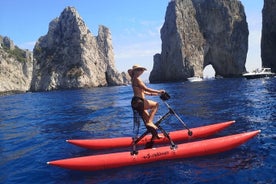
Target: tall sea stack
column 197, row 33
column 69, row 56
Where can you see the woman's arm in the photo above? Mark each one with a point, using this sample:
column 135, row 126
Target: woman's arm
column 151, row 94
column 149, row 91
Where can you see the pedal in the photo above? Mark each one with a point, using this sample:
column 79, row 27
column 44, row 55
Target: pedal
column 149, row 145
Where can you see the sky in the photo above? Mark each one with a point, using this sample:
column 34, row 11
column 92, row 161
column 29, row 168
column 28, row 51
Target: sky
column 134, row 25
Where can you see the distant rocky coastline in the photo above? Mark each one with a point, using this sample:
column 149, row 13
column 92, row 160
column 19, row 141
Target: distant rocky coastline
column 16, row 66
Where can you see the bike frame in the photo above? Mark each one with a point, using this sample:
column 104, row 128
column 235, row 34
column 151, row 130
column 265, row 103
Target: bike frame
column 173, row 145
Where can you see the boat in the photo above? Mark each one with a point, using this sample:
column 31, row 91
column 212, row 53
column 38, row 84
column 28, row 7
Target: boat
column 180, row 135
column 195, row 79
column 185, row 150
column 259, row 73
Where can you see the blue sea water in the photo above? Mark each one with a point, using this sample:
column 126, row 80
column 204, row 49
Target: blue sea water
column 34, row 127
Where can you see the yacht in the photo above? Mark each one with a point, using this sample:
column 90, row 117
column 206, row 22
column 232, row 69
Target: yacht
column 259, row 73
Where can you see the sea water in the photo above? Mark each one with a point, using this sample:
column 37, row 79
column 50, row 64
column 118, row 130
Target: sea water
column 34, row 127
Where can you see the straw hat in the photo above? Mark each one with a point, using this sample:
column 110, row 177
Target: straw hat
column 135, row 67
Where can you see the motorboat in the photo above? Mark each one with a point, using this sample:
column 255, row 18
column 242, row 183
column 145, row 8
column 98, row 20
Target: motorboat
column 195, row 79
column 259, row 73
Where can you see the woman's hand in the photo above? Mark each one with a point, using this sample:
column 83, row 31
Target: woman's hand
column 161, row 91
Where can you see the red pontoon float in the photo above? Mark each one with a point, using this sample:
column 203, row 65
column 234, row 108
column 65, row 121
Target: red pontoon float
column 186, row 150
column 181, row 135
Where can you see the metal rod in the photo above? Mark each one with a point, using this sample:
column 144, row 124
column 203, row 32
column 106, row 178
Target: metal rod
column 174, row 113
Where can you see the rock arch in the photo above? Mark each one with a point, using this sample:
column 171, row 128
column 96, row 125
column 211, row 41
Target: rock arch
column 197, row 33
column 209, row 71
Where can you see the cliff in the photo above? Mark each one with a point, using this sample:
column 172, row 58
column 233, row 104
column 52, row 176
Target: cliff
column 15, row 67
column 197, row 33
column 268, row 41
column 69, row 56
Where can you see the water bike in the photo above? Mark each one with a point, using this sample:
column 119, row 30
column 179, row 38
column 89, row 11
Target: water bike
column 182, row 150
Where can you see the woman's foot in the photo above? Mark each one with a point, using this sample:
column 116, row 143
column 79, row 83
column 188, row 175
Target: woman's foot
column 151, row 124
column 154, row 133
column 156, row 137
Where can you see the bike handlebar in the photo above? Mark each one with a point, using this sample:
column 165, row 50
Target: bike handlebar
column 165, row 96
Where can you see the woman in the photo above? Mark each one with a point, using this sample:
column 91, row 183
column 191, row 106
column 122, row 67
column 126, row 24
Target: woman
column 139, row 103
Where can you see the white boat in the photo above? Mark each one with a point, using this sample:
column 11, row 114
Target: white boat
column 259, row 73
column 195, row 79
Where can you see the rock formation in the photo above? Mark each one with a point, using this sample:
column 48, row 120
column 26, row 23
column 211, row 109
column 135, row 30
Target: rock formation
column 197, row 33
column 69, row 56
column 268, row 41
column 15, row 67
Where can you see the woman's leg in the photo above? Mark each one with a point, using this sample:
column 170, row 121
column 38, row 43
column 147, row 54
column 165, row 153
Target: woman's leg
column 153, row 107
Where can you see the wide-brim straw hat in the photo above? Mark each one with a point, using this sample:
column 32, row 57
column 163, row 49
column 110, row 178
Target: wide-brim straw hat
column 135, row 67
